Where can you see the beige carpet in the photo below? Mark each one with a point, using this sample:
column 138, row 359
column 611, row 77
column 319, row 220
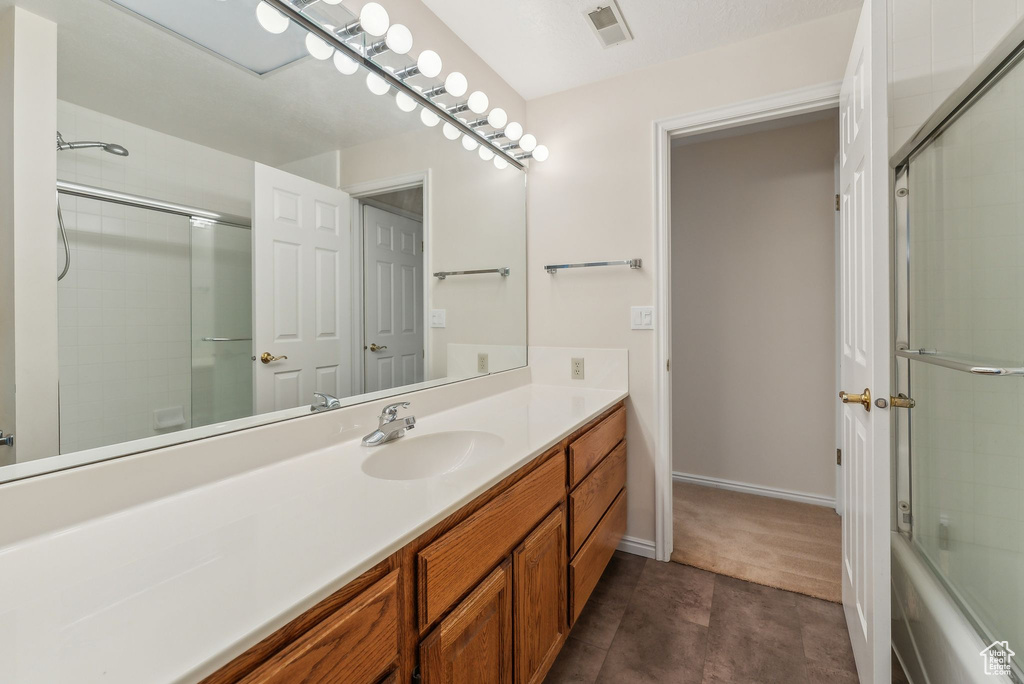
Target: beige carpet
column 783, row 544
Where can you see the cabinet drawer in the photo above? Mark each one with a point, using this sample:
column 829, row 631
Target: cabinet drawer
column 591, row 498
column 450, row 566
column 357, row 644
column 586, row 568
column 587, row 451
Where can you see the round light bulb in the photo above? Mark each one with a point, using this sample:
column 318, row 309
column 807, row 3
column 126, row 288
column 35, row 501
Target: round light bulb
column 469, row 142
column 404, row 102
column 374, row 19
column 270, row 19
column 332, row 2
column 514, row 131
column 429, row 118
column 399, row 39
column 527, row 143
column 456, row 84
column 345, row 64
column 497, row 118
column 451, row 132
column 317, row 47
column 540, row 153
column 486, row 153
column 429, row 63
column 478, row 102
column 500, row 163
column 376, row 84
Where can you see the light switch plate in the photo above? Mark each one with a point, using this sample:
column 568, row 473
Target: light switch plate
column 642, row 318
column 437, row 317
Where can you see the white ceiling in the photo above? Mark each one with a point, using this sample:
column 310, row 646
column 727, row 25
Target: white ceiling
column 544, row 46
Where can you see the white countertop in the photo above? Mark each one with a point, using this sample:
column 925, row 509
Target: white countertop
column 171, row 589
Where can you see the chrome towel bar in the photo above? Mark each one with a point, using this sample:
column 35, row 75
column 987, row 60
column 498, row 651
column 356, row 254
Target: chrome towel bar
column 503, row 272
column 227, row 339
column 937, row 359
column 632, row 263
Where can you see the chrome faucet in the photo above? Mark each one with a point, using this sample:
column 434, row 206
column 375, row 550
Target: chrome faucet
column 390, row 427
column 324, row 402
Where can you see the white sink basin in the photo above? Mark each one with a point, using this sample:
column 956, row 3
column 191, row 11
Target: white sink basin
column 429, row 455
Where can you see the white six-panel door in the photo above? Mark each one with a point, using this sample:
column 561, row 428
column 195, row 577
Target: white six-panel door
column 864, row 340
column 393, row 296
column 301, row 290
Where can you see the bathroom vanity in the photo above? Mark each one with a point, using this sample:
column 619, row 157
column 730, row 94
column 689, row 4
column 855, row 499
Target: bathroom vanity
column 486, row 595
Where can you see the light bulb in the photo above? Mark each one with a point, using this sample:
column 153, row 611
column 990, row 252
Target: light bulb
column 486, row 153
column 478, row 102
column 451, row 132
column 513, row 131
column 344, row 63
column 540, row 153
column 404, row 102
column 399, row 39
column 527, row 143
column 469, row 142
column 429, row 63
column 376, row 84
column 317, row 47
column 500, row 163
column 429, row 118
column 374, row 19
column 497, row 118
column 332, row 2
column 456, row 84
column 270, row 19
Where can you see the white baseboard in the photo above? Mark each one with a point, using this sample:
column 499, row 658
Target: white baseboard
column 773, row 492
column 637, row 546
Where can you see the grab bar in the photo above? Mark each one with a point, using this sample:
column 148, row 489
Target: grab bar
column 227, row 339
column 503, row 272
column 632, row 263
column 937, row 359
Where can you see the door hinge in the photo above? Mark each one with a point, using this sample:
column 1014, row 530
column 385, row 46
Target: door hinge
column 668, row 364
column 837, row 202
column 839, row 457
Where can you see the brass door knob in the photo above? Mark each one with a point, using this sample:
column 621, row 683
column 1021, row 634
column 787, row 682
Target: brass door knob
column 375, row 348
column 902, row 401
column 862, row 399
column 267, row 357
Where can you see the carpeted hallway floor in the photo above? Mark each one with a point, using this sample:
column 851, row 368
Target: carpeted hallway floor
column 783, row 544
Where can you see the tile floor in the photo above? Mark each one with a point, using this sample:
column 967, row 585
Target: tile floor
column 664, row 622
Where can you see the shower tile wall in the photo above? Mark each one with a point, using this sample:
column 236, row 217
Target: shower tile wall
column 935, row 44
column 124, row 312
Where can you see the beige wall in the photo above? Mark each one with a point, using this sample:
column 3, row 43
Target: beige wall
column 594, row 198
column 753, row 308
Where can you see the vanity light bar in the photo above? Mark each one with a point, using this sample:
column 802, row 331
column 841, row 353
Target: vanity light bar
column 421, row 98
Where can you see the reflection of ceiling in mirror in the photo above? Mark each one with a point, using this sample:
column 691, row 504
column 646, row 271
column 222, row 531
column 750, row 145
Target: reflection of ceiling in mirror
column 114, row 62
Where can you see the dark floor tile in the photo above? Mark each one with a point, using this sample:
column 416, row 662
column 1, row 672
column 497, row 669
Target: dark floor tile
column 826, row 640
column 754, row 635
column 578, row 663
column 685, row 587
column 817, row 674
column 654, row 645
column 606, row 605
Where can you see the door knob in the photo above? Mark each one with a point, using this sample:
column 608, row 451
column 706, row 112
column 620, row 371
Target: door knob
column 267, row 357
column 862, row 399
column 375, row 348
column 902, row 401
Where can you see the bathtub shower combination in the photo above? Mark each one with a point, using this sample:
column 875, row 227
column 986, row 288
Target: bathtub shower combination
column 958, row 571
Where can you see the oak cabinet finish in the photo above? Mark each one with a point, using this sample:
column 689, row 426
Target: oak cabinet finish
column 586, row 568
column 539, row 571
column 588, row 450
column 589, row 501
column 473, row 645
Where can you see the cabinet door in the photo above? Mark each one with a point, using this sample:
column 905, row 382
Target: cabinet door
column 473, row 645
column 539, row 569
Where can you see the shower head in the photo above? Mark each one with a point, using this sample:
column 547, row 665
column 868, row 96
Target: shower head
column 110, row 148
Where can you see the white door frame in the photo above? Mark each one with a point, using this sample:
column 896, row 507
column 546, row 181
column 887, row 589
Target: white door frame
column 781, row 105
column 357, row 192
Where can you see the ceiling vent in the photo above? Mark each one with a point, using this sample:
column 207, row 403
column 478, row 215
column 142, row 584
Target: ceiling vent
column 608, row 25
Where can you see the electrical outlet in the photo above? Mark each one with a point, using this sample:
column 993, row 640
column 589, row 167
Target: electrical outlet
column 481, row 363
column 577, row 369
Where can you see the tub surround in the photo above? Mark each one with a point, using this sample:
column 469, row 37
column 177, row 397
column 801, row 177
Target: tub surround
column 164, row 566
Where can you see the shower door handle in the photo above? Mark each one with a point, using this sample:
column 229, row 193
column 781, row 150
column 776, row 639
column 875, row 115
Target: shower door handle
column 6, row 440
column 862, row 399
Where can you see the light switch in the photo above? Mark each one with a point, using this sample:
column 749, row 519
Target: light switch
column 437, row 317
column 642, row 317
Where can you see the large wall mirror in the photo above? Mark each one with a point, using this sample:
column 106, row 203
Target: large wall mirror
column 242, row 224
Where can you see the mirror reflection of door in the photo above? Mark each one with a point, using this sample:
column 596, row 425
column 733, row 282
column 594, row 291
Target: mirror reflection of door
column 393, row 335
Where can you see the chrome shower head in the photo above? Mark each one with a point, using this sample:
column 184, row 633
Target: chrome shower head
column 115, row 149
column 110, row 148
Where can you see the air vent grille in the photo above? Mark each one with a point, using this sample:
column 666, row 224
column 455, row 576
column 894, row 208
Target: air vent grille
column 608, row 25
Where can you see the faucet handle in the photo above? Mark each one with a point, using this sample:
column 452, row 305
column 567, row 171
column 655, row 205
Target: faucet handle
column 322, row 401
column 390, row 411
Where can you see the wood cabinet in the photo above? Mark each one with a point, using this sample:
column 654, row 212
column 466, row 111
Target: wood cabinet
column 486, row 595
column 473, row 645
